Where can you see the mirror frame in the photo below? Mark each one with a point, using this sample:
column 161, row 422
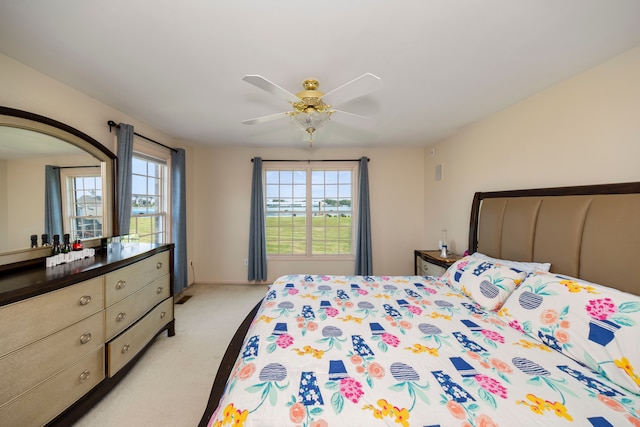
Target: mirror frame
column 37, row 123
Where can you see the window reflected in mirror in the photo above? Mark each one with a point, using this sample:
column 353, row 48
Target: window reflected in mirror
column 82, row 202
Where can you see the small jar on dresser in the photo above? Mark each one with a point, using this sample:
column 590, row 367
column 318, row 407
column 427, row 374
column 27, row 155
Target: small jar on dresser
column 430, row 263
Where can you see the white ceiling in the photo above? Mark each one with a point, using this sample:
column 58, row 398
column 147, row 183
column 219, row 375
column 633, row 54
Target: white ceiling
column 178, row 64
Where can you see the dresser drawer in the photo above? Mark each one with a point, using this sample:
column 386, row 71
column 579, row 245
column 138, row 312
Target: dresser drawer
column 26, row 321
column 122, row 349
column 32, row 364
column 427, row 269
column 124, row 313
column 44, row 402
column 125, row 281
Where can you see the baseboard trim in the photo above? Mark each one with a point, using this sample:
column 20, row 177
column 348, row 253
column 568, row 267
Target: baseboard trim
column 231, row 282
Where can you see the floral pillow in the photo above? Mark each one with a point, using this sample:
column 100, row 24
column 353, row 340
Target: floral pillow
column 488, row 284
column 591, row 323
column 453, row 274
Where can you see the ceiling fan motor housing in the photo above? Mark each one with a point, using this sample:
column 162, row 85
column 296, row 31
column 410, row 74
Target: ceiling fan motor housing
column 311, row 98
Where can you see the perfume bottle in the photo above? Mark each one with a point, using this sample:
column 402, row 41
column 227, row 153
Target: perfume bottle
column 34, row 240
column 66, row 244
column 55, row 249
column 45, row 240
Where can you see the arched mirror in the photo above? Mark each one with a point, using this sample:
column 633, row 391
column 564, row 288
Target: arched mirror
column 35, row 151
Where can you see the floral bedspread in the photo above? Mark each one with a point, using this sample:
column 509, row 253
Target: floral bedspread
column 404, row 350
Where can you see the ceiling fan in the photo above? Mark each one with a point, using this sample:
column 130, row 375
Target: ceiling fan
column 312, row 108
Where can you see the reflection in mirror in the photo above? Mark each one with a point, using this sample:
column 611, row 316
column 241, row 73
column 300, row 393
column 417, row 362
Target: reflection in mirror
column 29, row 145
column 81, row 190
column 24, row 155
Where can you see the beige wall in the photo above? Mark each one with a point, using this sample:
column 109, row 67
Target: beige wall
column 585, row 130
column 222, row 204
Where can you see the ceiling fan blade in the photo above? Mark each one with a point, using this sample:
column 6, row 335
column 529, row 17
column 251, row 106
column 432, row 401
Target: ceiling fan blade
column 264, row 119
column 270, row 87
column 353, row 119
column 360, row 86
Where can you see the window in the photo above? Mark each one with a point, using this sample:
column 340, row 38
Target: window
column 148, row 199
column 309, row 210
column 82, row 202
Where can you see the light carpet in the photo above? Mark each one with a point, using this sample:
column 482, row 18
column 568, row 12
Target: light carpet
column 170, row 384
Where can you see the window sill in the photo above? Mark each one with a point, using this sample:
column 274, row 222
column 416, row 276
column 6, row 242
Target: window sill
column 311, row 258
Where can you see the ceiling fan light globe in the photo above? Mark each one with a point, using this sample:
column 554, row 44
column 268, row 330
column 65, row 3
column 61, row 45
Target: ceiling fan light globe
column 310, row 119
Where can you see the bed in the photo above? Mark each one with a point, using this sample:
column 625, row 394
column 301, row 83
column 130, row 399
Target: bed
column 537, row 327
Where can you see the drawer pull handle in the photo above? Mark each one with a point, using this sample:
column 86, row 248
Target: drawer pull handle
column 84, row 376
column 125, row 348
column 85, row 299
column 164, row 313
column 120, row 317
column 85, row 338
column 159, row 290
column 159, row 266
column 121, row 284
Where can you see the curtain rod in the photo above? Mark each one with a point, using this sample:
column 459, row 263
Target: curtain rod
column 111, row 124
column 312, row 160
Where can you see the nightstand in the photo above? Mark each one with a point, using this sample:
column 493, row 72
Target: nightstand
column 430, row 263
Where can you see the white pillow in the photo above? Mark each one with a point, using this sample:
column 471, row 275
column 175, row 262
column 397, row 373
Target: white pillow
column 527, row 267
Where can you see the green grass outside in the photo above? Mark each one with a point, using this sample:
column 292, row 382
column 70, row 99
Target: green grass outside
column 330, row 235
column 144, row 227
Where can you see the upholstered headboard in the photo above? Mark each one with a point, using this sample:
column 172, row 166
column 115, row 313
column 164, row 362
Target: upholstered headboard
column 590, row 232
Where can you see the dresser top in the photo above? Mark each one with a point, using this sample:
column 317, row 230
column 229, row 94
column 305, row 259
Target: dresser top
column 32, row 281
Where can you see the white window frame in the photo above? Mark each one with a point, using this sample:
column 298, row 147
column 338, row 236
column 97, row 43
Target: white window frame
column 148, row 151
column 67, row 174
column 309, row 167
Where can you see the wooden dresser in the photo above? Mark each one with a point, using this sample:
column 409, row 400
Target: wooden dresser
column 69, row 333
